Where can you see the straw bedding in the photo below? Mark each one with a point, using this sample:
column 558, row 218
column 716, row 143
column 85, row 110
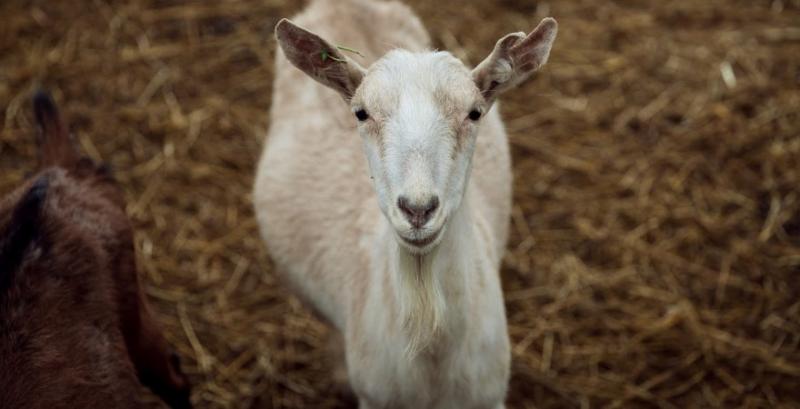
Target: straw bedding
column 654, row 257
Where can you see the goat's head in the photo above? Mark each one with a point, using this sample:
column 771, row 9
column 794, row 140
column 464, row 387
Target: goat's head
column 418, row 115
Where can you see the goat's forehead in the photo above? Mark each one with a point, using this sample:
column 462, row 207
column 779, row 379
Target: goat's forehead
column 437, row 74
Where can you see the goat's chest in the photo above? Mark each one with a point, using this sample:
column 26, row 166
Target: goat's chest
column 470, row 372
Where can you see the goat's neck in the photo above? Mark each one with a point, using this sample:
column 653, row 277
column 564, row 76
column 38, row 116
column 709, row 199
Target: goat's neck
column 432, row 291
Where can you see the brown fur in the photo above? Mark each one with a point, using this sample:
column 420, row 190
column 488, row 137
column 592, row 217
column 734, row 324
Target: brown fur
column 75, row 330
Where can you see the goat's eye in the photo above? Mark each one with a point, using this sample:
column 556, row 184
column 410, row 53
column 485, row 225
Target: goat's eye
column 362, row 115
column 474, row 115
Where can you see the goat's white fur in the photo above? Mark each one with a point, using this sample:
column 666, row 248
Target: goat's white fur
column 424, row 327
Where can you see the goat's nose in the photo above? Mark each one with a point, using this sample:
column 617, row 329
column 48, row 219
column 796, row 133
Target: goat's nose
column 418, row 213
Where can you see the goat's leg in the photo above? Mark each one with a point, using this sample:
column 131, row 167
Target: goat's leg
column 336, row 356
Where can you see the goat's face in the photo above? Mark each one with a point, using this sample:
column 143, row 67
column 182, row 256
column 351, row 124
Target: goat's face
column 418, row 115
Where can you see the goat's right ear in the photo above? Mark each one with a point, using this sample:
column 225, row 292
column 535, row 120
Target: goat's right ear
column 318, row 59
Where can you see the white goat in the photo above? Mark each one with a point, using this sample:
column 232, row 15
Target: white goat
column 410, row 275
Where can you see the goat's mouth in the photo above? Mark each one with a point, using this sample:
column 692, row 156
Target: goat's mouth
column 421, row 242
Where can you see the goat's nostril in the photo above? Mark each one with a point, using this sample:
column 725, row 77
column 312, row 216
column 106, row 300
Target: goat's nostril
column 416, row 214
column 405, row 207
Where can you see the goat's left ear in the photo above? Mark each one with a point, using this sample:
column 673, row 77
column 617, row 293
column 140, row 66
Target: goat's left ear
column 318, row 59
column 514, row 58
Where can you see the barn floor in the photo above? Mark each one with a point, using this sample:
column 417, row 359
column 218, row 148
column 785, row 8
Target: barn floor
column 654, row 259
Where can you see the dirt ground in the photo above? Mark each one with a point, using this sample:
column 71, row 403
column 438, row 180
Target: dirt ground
column 654, row 258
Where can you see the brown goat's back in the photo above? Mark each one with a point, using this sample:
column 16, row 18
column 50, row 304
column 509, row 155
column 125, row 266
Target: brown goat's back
column 60, row 338
column 75, row 329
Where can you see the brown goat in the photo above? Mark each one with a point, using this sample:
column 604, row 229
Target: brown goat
column 75, row 329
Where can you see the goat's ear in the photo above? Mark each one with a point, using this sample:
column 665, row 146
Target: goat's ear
column 56, row 147
column 318, row 59
column 514, row 58
column 23, row 227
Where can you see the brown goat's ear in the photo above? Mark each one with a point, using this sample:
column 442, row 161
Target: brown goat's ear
column 318, row 59
column 22, row 229
column 514, row 58
column 55, row 144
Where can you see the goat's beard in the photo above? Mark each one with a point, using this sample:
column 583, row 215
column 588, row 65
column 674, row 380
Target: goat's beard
column 421, row 300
